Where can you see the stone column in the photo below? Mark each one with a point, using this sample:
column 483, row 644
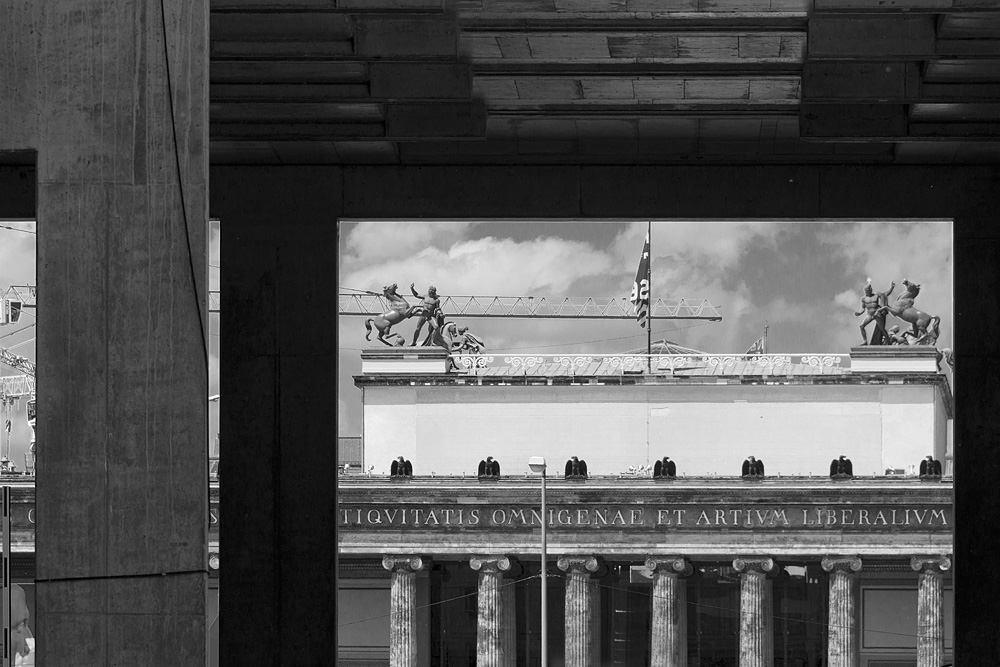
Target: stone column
column 669, row 633
column 490, row 636
column 842, row 644
column 582, row 609
column 508, row 628
column 756, row 622
column 403, row 609
column 930, row 609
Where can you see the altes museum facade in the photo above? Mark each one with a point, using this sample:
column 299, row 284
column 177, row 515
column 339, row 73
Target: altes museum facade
column 709, row 568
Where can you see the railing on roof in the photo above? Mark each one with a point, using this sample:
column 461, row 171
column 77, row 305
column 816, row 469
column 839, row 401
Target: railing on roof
column 662, row 364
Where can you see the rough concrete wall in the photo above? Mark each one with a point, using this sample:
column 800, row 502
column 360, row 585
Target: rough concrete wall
column 278, row 342
column 121, row 486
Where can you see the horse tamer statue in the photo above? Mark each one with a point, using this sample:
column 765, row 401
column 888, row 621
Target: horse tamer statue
column 400, row 310
column 925, row 327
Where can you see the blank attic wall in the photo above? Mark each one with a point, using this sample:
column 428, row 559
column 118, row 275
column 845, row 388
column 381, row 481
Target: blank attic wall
column 280, row 350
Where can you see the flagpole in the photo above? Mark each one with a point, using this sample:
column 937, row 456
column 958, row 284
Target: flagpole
column 649, row 281
column 765, row 336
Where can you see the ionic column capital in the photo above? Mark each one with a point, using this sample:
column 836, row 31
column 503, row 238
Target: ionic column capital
column 490, row 564
column 848, row 564
column 930, row 564
column 760, row 564
column 403, row 563
column 578, row 564
column 669, row 565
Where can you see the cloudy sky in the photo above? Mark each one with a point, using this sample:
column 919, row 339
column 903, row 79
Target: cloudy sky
column 804, row 279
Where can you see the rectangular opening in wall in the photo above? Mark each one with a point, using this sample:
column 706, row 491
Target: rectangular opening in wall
column 713, row 384
column 18, row 402
column 214, row 445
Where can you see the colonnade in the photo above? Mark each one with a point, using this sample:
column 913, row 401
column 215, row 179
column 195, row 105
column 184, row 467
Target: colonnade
column 496, row 641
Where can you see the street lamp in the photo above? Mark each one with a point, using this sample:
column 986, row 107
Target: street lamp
column 537, row 464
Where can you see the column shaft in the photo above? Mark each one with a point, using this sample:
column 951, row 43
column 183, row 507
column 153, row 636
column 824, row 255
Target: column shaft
column 508, row 628
column 930, row 620
column 669, row 642
column 756, row 618
column 403, row 610
column 582, row 612
column 489, row 649
column 579, row 619
column 930, row 609
column 403, row 621
column 843, row 638
column 755, row 607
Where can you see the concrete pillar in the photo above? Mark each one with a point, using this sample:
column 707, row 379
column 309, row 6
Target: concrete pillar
column 490, row 635
column 669, row 632
column 842, row 642
column 403, row 609
column 582, row 611
column 930, row 609
column 756, row 617
column 121, row 490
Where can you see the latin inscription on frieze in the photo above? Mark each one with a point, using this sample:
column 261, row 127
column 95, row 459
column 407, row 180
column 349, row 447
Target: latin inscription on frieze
column 499, row 517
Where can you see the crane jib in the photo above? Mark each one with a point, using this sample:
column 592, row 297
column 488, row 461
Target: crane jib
column 541, row 307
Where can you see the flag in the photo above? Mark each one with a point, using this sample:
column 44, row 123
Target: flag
column 640, row 287
column 757, row 347
column 6, row 427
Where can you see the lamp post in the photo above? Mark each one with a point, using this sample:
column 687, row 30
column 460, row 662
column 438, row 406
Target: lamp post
column 537, row 464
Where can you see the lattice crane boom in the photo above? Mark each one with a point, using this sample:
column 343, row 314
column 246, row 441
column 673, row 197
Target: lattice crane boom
column 369, row 305
column 17, row 362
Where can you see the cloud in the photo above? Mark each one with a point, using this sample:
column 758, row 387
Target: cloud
column 368, row 241
column 848, row 299
column 489, row 267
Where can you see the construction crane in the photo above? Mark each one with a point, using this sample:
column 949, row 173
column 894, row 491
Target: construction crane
column 17, row 362
column 370, row 304
column 15, row 299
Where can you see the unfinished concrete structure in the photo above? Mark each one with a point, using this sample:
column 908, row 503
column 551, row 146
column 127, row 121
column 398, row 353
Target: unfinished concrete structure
column 310, row 111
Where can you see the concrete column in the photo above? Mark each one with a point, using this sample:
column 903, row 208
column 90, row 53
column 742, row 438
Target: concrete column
column 122, row 187
column 582, row 611
column 930, row 609
column 756, row 618
column 669, row 633
column 842, row 643
column 490, row 636
column 403, row 609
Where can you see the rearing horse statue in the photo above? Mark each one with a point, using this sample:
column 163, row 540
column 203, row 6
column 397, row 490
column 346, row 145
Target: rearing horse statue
column 400, row 310
column 925, row 327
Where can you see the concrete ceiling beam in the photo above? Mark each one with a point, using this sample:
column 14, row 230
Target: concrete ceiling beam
column 840, row 36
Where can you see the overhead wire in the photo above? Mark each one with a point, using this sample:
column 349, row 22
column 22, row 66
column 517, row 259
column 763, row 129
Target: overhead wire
column 15, row 229
column 12, row 333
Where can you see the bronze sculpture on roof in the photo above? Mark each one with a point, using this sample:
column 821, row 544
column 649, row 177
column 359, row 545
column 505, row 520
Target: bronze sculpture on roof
column 427, row 311
column 924, row 326
column 873, row 304
column 399, row 310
